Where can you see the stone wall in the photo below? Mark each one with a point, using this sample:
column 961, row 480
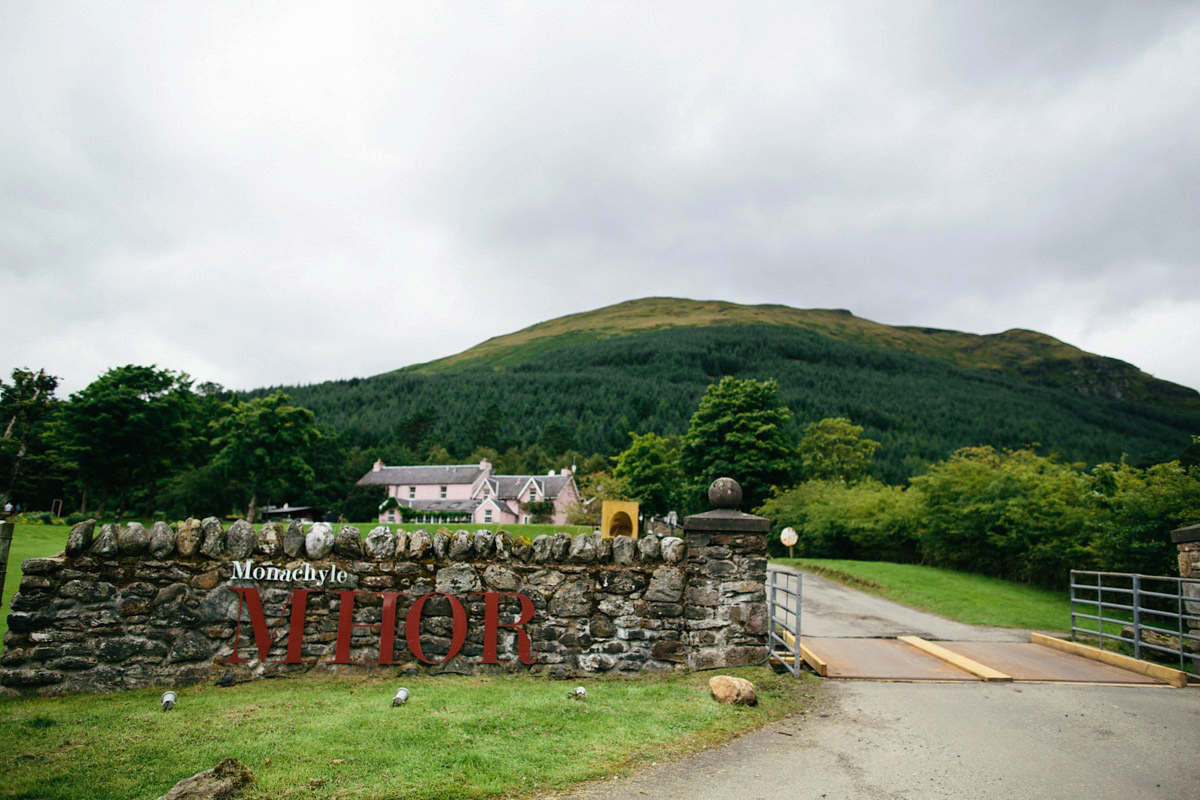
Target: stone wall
column 125, row 607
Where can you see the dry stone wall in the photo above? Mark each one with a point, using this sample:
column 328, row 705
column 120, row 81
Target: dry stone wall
column 127, row 606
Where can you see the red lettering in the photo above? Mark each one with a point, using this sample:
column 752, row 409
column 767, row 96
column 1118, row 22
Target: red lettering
column 250, row 598
column 412, row 628
column 492, row 626
column 264, row 639
column 346, row 626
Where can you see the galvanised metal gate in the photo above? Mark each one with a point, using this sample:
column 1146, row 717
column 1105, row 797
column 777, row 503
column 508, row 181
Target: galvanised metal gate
column 1152, row 614
column 783, row 600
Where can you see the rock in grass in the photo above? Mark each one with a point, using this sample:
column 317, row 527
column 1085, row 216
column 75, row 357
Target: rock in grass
column 223, row 782
column 732, row 691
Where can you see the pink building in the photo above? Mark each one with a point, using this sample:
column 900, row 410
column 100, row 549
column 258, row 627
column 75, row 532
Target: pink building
column 471, row 492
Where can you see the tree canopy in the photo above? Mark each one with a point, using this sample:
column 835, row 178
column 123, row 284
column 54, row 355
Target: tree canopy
column 650, row 465
column 262, row 446
column 740, row 431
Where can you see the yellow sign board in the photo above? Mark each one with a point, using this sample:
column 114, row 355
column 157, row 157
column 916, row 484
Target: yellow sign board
column 618, row 518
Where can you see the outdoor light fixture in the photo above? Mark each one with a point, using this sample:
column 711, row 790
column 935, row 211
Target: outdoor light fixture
column 401, row 697
column 168, row 701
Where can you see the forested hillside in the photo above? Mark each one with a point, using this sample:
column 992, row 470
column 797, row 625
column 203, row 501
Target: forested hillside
column 590, row 392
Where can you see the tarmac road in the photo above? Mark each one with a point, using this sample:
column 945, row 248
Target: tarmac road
column 884, row 741
column 975, row 740
column 832, row 610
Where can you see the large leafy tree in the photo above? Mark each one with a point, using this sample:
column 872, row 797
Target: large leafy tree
column 833, row 449
column 263, row 447
column 1136, row 511
column 739, row 430
column 1013, row 514
column 651, row 466
column 123, row 431
column 24, row 406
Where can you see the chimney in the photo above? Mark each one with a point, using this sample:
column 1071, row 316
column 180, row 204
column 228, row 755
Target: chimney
column 378, row 465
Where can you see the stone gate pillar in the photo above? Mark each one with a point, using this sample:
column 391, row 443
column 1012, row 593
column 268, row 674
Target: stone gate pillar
column 725, row 589
column 1188, row 541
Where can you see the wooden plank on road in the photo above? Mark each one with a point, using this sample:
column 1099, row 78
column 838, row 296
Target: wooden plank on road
column 1026, row 661
column 880, row 659
column 1155, row 672
column 983, row 671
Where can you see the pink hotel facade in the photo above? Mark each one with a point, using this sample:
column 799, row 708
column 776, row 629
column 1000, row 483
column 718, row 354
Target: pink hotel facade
column 473, row 491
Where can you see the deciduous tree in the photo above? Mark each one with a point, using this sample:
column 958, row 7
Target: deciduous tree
column 650, row 465
column 739, row 431
column 124, row 428
column 833, row 449
column 262, row 446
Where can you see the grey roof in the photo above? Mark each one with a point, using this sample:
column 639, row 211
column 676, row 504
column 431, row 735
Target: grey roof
column 465, row 506
column 445, row 474
column 510, row 486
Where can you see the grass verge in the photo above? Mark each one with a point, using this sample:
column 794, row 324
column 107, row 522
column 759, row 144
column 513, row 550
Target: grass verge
column 337, row 736
column 973, row 599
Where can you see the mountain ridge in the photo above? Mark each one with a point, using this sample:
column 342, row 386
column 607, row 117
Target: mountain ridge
column 1023, row 354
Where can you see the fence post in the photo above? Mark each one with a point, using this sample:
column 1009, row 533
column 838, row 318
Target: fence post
column 6, row 534
column 1137, row 616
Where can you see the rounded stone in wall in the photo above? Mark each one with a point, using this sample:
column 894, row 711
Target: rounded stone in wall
column 162, row 540
column 213, row 543
column 419, row 544
column 240, row 540
column 348, row 542
column 270, row 536
column 80, row 537
column 133, row 539
column 220, row 605
column 293, row 540
column 458, row 579
column 673, row 549
column 483, row 543
column 501, row 578
column 543, row 547
column 319, row 541
column 381, row 544
column 189, row 537
column 460, row 546
column 106, row 542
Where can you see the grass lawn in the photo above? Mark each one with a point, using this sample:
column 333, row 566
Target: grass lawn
column 29, row 541
column 957, row 595
column 330, row 736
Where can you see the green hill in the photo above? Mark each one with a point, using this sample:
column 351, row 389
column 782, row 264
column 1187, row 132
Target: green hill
column 643, row 366
column 1022, row 354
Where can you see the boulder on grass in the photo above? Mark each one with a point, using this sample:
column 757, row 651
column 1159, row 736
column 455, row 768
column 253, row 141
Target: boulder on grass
column 733, row 691
column 223, row 782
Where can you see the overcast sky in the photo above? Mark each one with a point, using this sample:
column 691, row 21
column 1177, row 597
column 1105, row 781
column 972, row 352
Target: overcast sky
column 281, row 193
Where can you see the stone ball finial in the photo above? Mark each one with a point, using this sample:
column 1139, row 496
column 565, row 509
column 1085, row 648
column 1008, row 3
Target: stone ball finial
column 725, row 493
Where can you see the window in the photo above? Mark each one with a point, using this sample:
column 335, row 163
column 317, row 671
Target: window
column 443, row 494
column 391, row 516
column 412, row 492
column 487, row 515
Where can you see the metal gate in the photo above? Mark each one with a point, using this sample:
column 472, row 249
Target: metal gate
column 783, row 602
column 1149, row 614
